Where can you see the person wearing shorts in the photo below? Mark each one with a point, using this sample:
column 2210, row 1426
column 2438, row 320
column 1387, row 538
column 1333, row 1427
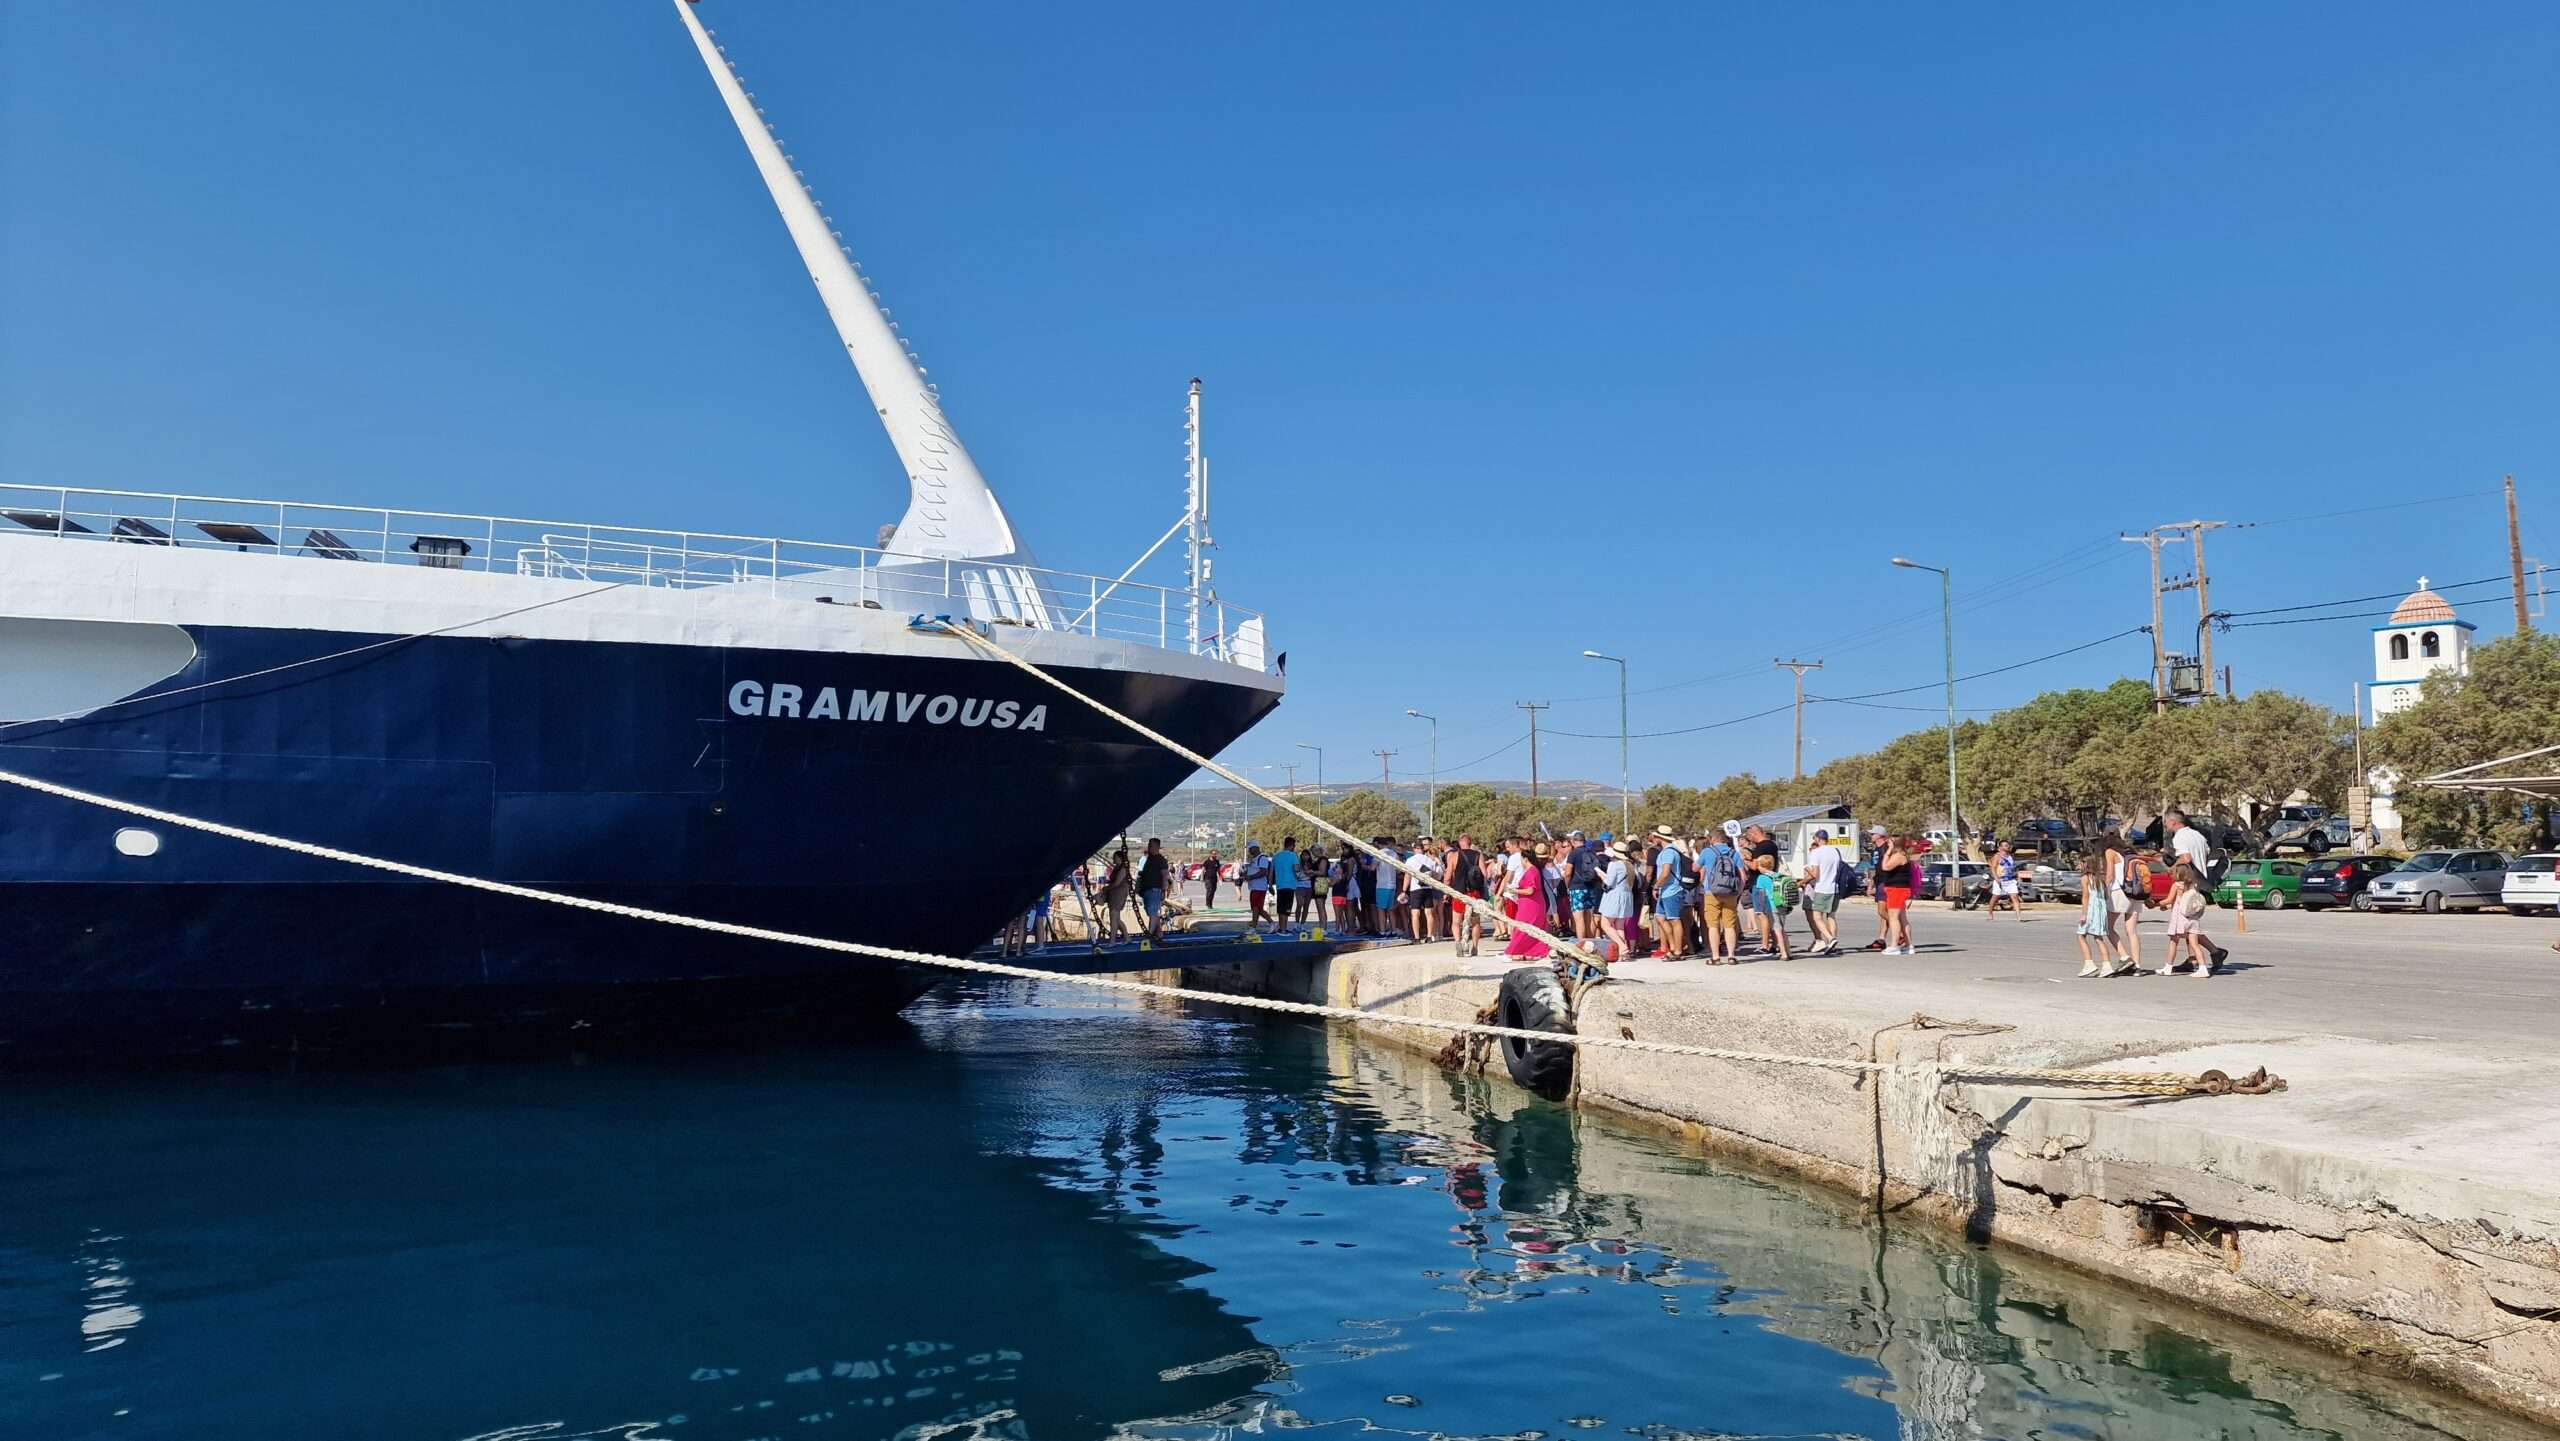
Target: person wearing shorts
column 1822, row 867
column 1893, row 895
column 1718, row 913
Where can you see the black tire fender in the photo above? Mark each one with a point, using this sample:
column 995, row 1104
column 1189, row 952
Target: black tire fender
column 1533, row 999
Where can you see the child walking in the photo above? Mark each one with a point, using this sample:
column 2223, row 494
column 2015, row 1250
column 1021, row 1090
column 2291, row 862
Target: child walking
column 2186, row 907
column 2096, row 922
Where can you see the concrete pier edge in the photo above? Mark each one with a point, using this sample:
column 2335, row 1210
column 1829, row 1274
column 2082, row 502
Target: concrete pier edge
column 2407, row 1273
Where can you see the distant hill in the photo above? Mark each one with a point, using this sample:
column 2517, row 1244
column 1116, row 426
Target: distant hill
column 1199, row 816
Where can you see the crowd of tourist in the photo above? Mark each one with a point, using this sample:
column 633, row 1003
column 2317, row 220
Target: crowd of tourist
column 1720, row 897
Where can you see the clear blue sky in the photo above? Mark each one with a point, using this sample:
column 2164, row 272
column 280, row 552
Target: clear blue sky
column 1526, row 329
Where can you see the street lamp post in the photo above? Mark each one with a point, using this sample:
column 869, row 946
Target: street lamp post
column 1947, row 614
column 1623, row 809
column 1319, row 750
column 1431, row 797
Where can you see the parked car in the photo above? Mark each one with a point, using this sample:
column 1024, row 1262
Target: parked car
column 2432, row 881
column 2311, row 837
column 2052, row 882
column 2219, row 835
column 2051, row 836
column 1972, row 889
column 2532, row 886
column 2271, row 884
column 2343, row 881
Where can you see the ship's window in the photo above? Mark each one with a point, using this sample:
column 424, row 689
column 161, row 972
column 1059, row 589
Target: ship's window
column 2427, row 643
column 137, row 842
column 2399, row 647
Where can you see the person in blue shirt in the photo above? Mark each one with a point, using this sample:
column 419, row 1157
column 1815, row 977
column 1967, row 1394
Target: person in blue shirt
column 1671, row 877
column 1284, row 880
column 1720, row 882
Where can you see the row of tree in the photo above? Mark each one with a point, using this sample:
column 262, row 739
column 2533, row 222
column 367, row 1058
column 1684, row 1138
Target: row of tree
column 2103, row 749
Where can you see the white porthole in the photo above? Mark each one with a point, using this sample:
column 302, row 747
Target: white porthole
column 137, row 842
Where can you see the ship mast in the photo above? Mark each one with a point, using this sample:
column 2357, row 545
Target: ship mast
column 1195, row 514
column 951, row 514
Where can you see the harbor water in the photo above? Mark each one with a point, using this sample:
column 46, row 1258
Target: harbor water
column 1032, row 1213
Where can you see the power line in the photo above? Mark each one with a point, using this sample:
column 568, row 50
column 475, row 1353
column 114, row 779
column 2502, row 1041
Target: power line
column 1854, row 699
column 2361, row 599
column 1996, row 670
column 1511, row 745
column 1927, row 709
column 1683, row 731
column 1999, row 592
column 2365, row 510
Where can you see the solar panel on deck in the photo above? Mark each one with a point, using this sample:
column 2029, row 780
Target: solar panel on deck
column 326, row 543
column 234, row 533
column 139, row 532
column 48, row 521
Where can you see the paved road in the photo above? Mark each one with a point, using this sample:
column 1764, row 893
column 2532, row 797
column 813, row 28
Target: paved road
column 2410, row 1041
column 2486, row 983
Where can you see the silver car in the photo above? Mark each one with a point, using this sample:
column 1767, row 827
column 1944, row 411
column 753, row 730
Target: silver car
column 2433, row 881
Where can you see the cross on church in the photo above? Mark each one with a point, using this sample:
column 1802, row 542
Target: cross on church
column 2422, row 582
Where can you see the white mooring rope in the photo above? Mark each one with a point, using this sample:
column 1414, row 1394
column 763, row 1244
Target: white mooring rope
column 2153, row 1081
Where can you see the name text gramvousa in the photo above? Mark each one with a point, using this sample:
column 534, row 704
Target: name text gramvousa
column 790, row 702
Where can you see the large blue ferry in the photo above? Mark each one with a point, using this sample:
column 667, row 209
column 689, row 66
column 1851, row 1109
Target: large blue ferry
column 740, row 728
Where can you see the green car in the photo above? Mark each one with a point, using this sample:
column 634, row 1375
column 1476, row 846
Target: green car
column 2271, row 884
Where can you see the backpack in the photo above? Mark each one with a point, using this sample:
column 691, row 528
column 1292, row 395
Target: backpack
column 2137, row 879
column 1783, row 893
column 1583, row 872
column 1465, row 874
column 1678, row 862
column 1724, row 871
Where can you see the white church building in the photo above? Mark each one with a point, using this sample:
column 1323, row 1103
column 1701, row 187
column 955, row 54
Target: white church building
column 2421, row 639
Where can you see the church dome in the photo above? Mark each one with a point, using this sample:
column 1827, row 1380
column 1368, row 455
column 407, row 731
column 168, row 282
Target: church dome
column 2423, row 605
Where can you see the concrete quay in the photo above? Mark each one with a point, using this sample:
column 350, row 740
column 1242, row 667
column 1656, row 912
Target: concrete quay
column 2399, row 1204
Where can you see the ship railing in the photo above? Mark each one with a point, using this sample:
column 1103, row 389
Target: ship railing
column 843, row 575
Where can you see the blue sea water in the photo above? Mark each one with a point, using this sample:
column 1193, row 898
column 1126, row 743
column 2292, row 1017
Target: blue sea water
column 1033, row 1214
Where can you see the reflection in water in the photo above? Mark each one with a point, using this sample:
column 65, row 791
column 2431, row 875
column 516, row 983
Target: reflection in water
column 1023, row 1222
column 109, row 1309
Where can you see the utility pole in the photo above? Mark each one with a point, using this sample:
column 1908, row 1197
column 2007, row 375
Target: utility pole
column 2204, row 601
column 1386, row 778
column 1319, row 750
column 1799, row 667
column 2192, row 531
column 2150, row 540
column 1292, row 768
column 1431, row 797
column 1532, row 707
column 1625, row 827
column 2359, row 713
column 2515, row 558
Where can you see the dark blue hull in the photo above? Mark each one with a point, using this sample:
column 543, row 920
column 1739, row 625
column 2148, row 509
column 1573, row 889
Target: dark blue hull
column 656, row 776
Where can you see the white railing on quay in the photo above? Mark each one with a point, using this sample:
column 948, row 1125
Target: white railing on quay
column 820, row 573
